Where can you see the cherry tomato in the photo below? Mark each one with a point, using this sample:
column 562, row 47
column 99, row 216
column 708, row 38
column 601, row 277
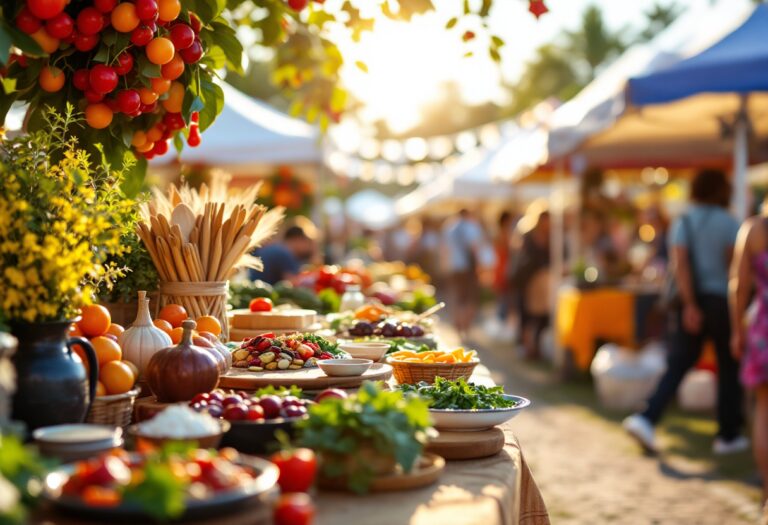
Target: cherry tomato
column 93, row 97
column 98, row 116
column 160, row 51
column 103, row 79
column 297, row 469
column 86, row 42
column 182, row 36
column 124, row 17
column 51, row 79
column 80, row 79
column 147, row 10
column 174, row 121
column 161, row 147
column 128, row 101
column 173, row 69
column 175, row 98
column 149, row 108
column 294, row 509
column 46, row 9
column 195, row 23
column 60, row 26
column 124, row 63
column 28, row 22
column 147, row 95
column 142, row 35
column 160, row 85
column 260, row 304
column 194, row 138
column 89, row 21
column 193, row 53
column 168, row 10
column 105, row 6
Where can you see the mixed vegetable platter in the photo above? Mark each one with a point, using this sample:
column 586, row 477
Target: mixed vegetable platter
column 284, row 352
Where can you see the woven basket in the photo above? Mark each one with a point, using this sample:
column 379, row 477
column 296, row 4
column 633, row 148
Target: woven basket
column 411, row 373
column 114, row 410
column 198, row 298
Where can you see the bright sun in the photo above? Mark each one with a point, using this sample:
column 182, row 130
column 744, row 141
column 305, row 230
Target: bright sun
column 408, row 63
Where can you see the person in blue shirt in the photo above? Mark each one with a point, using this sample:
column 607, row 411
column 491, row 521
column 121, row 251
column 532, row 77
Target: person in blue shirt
column 701, row 246
column 283, row 260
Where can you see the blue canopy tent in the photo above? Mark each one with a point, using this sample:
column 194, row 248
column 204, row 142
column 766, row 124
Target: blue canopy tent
column 737, row 65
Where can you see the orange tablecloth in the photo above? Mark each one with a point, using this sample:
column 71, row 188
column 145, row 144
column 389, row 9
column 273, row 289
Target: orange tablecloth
column 584, row 316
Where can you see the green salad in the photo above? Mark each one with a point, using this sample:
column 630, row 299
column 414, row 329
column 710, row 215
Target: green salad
column 446, row 394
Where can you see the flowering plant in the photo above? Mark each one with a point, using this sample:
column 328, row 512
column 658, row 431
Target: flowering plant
column 61, row 218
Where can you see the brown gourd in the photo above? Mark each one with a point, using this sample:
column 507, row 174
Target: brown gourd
column 179, row 373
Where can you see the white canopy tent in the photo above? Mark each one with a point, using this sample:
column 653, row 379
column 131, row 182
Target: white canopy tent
column 249, row 136
column 603, row 130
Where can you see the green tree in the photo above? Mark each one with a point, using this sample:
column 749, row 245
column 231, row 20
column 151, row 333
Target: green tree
column 658, row 17
column 592, row 44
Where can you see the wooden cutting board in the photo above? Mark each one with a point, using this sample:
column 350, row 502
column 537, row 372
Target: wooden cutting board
column 468, row 445
column 276, row 319
column 306, row 378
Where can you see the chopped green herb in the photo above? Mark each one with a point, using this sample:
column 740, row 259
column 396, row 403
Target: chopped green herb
column 446, row 394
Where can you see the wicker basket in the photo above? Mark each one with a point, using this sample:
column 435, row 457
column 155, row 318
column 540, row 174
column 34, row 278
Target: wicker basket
column 198, row 298
column 411, row 373
column 114, row 410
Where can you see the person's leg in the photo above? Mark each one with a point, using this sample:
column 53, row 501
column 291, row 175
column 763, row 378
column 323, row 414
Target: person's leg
column 684, row 351
column 730, row 408
column 760, row 435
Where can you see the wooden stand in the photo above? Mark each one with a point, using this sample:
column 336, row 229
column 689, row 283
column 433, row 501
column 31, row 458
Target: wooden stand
column 468, row 445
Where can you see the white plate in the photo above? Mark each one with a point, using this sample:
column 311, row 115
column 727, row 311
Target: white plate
column 473, row 420
column 344, row 367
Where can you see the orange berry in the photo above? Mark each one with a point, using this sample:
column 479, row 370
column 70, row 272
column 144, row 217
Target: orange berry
column 147, row 96
column 98, row 116
column 168, row 10
column 173, row 69
column 48, row 43
column 161, row 85
column 106, row 350
column 160, row 50
column 154, row 134
column 208, row 323
column 117, row 377
column 124, row 17
column 148, row 145
column 51, row 79
column 139, row 139
column 94, row 320
column 175, row 98
column 163, row 325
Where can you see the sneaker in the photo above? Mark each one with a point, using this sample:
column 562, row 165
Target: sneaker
column 642, row 430
column 722, row 447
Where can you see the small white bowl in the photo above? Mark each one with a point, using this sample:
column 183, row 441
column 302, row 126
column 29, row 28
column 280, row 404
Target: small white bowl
column 344, row 367
column 77, row 441
column 366, row 350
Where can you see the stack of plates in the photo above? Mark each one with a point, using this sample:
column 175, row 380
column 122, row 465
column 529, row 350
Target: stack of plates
column 76, row 442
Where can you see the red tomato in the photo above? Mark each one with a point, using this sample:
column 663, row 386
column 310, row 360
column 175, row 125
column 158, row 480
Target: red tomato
column 182, row 36
column 60, row 26
column 128, row 101
column 90, row 21
column 297, row 469
column 260, row 304
column 28, row 22
column 124, row 63
column 103, row 79
column 46, row 9
column 193, row 53
column 294, row 509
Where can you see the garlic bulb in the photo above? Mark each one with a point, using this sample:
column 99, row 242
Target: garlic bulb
column 143, row 339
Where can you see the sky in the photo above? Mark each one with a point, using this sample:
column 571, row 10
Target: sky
column 408, row 62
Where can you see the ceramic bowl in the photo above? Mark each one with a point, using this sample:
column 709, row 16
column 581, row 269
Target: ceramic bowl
column 77, row 441
column 344, row 367
column 474, row 420
column 366, row 350
column 207, row 441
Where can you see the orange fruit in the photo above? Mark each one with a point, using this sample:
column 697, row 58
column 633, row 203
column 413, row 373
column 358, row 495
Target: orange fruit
column 172, row 70
column 98, row 116
column 174, row 314
column 175, row 98
column 160, row 50
column 51, row 79
column 168, row 10
column 163, row 325
column 81, row 354
column 208, row 323
column 124, row 17
column 94, row 320
column 208, row 335
column 154, row 134
column 101, row 390
column 147, row 96
column 48, row 43
column 161, row 85
column 148, row 145
column 176, row 334
column 115, row 329
column 139, row 139
column 117, row 377
column 106, row 350
column 133, row 367
column 74, row 331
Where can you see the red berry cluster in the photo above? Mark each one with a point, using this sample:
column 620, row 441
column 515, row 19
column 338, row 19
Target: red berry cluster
column 109, row 78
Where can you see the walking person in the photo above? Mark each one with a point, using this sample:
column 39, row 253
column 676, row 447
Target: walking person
column 463, row 242
column 701, row 243
column 504, row 327
column 749, row 342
